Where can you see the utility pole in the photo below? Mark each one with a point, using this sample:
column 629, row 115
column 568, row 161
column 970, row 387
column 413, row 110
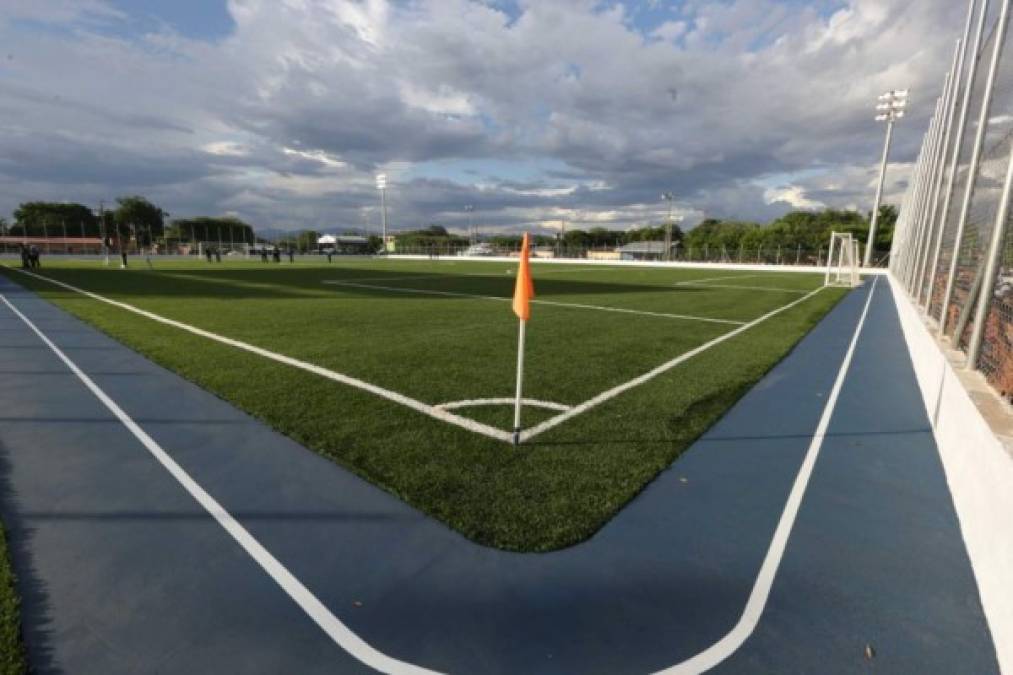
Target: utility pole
column 381, row 185
column 470, row 210
column 668, row 197
column 890, row 109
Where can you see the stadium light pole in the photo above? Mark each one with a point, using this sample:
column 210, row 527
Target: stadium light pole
column 668, row 197
column 470, row 210
column 890, row 109
column 381, row 185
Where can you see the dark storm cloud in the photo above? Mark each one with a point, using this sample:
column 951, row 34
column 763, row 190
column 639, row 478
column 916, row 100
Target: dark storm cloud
column 746, row 108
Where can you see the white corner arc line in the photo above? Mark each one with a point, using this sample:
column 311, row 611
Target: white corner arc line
column 600, row 308
column 408, row 402
column 747, row 623
column 651, row 374
column 294, row 588
column 476, row 402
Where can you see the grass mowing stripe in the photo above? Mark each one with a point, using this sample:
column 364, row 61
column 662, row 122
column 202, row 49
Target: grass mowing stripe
column 425, row 408
column 637, row 381
column 455, row 294
column 12, row 652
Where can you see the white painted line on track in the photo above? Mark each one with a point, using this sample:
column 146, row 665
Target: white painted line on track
column 419, row 406
column 302, row 596
column 651, row 374
column 747, row 623
column 600, row 308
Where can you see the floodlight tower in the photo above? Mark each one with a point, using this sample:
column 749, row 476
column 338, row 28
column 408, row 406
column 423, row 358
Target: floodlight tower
column 381, row 185
column 470, row 210
column 889, row 109
column 668, row 197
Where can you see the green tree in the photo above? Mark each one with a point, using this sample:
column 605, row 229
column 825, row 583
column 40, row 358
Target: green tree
column 38, row 218
column 136, row 216
column 204, row 228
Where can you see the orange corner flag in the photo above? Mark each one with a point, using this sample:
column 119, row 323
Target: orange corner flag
column 525, row 288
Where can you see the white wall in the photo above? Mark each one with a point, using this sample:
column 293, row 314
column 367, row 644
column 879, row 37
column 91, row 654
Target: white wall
column 978, row 470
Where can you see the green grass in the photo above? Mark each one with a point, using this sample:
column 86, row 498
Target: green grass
column 12, row 653
column 552, row 492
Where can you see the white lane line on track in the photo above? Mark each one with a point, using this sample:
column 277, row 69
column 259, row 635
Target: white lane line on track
column 600, row 308
column 747, row 623
column 651, row 374
column 338, row 631
column 419, row 406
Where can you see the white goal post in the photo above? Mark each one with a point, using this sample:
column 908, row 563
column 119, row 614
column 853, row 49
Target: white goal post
column 842, row 260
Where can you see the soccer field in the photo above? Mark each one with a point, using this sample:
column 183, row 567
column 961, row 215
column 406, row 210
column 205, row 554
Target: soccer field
column 403, row 371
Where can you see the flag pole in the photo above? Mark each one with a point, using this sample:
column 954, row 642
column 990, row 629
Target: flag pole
column 520, row 382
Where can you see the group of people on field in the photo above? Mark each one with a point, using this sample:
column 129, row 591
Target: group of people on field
column 30, row 257
column 213, row 254
column 275, row 253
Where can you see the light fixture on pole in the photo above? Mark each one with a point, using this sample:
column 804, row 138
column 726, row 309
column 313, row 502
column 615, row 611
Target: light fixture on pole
column 668, row 197
column 381, row 185
column 889, row 109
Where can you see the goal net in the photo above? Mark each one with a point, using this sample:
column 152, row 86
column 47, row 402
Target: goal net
column 842, row 260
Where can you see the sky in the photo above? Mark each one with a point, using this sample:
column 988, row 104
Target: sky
column 534, row 112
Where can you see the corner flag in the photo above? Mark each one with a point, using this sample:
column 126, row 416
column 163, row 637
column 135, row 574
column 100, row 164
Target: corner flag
column 525, row 289
column 523, row 292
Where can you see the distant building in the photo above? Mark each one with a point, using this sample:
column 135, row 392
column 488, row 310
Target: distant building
column 343, row 243
column 644, row 250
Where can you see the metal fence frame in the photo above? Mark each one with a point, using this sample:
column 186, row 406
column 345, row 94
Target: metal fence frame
column 917, row 256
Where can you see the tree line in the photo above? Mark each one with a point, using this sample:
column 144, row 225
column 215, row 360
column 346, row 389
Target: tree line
column 806, row 230
column 132, row 218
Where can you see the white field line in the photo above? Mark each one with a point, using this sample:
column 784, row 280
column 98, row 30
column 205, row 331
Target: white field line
column 302, row 596
column 651, row 374
column 599, row 308
column 475, row 402
column 419, row 406
column 747, row 623
column 690, row 282
column 770, row 289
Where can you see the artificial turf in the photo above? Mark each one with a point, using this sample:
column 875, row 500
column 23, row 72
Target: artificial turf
column 551, row 492
column 12, row 654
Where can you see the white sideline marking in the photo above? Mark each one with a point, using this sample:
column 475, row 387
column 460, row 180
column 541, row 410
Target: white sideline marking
column 302, row 596
column 425, row 408
column 685, row 356
column 690, row 282
column 744, row 288
column 600, row 308
column 532, row 402
column 727, row 645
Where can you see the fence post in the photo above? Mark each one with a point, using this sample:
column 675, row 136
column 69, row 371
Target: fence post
column 961, row 130
column 923, row 198
column 972, row 169
column 991, row 263
column 951, row 105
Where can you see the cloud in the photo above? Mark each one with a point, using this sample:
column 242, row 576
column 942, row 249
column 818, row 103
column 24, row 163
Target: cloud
column 286, row 120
